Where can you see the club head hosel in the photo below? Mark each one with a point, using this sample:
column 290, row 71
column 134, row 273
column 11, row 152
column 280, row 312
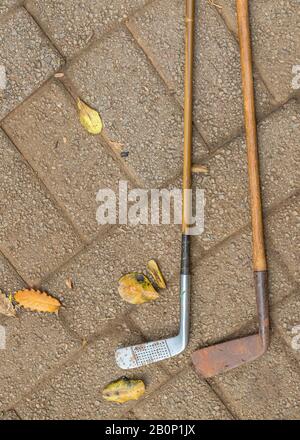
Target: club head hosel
column 261, row 284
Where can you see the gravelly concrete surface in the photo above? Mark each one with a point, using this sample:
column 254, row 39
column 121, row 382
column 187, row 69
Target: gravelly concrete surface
column 126, row 58
column 28, row 56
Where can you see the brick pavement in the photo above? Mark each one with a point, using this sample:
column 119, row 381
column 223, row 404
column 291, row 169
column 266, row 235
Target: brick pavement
column 126, row 59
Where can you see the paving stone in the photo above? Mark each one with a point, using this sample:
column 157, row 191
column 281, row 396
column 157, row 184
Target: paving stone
column 10, row 415
column 222, row 299
column 265, row 389
column 117, row 79
column 72, row 163
column 28, row 57
column 76, row 391
column 218, row 92
column 34, row 345
column 95, row 273
column 6, row 5
column 186, row 397
column 33, row 232
column 72, row 24
column 226, row 186
column 275, row 33
column 287, row 321
column 283, row 231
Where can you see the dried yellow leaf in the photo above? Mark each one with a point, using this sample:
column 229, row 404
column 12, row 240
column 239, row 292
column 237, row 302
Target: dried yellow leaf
column 37, row 301
column 136, row 288
column 156, row 274
column 6, row 306
column 89, row 118
column 124, row 390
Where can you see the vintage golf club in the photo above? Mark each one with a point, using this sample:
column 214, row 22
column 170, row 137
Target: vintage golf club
column 225, row 356
column 139, row 355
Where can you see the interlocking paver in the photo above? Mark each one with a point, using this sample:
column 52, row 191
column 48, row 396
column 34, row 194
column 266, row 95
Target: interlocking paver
column 222, row 299
column 275, row 35
column 72, row 24
column 218, row 96
column 287, row 320
column 185, row 397
column 33, row 232
column 10, row 415
column 95, row 298
column 28, row 57
column 117, row 79
column 226, row 186
column 6, row 5
column 72, row 163
column 265, row 389
column 283, row 231
column 34, row 345
column 75, row 393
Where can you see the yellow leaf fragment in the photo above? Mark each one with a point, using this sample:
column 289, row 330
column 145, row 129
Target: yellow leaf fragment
column 199, row 169
column 135, row 288
column 124, row 390
column 156, row 274
column 89, row 118
column 37, row 301
column 6, row 306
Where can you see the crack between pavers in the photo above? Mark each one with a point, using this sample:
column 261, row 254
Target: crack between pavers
column 43, row 30
column 172, row 378
column 47, row 377
column 212, row 148
column 61, row 208
column 106, row 142
column 268, row 212
column 93, row 41
column 257, row 67
column 8, row 259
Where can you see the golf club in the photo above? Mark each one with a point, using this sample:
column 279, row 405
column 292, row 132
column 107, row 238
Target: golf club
column 139, row 355
column 225, row 356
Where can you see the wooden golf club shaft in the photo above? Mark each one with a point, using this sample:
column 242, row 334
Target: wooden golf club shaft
column 259, row 257
column 188, row 136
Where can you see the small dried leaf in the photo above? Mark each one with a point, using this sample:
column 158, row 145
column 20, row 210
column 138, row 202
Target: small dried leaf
column 69, row 283
column 37, row 301
column 155, row 272
column 199, row 169
column 6, row 306
column 136, row 288
column 124, row 390
column 89, row 118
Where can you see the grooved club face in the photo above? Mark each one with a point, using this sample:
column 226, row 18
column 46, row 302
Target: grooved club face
column 144, row 354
